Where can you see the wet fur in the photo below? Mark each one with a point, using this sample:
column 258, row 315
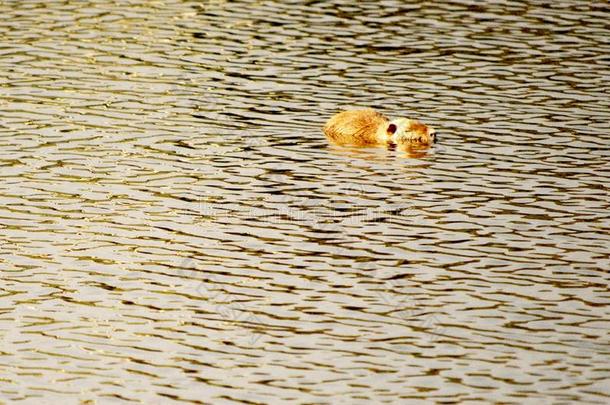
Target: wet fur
column 357, row 127
column 369, row 128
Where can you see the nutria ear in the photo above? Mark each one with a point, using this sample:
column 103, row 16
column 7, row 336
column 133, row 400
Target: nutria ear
column 392, row 128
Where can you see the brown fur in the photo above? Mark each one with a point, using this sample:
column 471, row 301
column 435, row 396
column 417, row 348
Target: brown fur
column 356, row 127
column 369, row 128
column 419, row 127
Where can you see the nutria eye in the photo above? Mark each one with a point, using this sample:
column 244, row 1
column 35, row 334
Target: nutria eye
column 392, row 128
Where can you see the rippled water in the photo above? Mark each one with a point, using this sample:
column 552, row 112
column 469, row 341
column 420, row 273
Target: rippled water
column 175, row 228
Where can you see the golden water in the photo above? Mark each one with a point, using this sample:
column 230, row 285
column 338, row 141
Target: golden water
column 175, row 228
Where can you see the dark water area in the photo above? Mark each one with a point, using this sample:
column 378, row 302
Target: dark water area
column 175, row 228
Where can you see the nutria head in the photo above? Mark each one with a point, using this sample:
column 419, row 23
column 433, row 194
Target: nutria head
column 406, row 131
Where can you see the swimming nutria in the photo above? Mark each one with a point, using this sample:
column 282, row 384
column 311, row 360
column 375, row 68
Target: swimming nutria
column 370, row 128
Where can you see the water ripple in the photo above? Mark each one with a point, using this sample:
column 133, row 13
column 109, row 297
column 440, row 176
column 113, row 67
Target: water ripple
column 174, row 225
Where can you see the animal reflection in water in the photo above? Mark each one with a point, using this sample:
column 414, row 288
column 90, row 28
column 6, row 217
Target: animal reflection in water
column 368, row 128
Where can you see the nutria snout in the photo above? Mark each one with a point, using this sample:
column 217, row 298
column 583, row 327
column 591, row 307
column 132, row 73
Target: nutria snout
column 370, row 128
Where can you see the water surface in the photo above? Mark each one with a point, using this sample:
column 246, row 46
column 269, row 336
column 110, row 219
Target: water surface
column 175, row 228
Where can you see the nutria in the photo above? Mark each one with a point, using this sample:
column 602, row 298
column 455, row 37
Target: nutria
column 369, row 128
